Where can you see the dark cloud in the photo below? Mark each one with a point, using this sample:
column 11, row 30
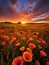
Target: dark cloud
column 7, row 14
column 32, row 4
column 31, row 1
column 13, row 1
column 5, row 10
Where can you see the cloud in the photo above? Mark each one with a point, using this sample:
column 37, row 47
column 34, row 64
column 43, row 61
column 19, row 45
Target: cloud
column 43, row 16
column 12, row 3
column 8, row 14
column 32, row 4
column 10, row 11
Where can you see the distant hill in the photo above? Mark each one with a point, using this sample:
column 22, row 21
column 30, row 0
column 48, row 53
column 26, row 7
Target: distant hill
column 6, row 22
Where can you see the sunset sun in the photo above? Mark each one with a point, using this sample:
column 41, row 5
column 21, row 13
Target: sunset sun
column 23, row 22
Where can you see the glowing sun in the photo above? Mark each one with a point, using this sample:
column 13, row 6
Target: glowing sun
column 23, row 22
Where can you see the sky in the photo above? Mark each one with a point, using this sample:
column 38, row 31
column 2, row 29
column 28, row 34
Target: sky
column 24, row 10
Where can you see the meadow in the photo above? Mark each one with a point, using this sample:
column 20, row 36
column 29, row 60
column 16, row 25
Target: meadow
column 24, row 44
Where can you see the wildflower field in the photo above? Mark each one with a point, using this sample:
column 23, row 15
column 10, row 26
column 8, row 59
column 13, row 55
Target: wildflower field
column 24, row 44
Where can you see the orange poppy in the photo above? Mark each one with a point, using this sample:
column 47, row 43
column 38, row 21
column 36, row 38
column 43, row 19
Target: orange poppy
column 24, row 38
column 32, row 46
column 29, row 50
column 30, row 39
column 22, row 48
column 18, row 61
column 17, row 44
column 27, row 56
column 42, row 53
column 37, row 33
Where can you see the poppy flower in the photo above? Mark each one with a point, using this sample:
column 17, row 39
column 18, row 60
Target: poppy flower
column 22, row 48
column 24, row 38
column 17, row 61
column 20, row 35
column 37, row 33
column 38, row 41
column 37, row 63
column 47, row 63
column 32, row 46
column 12, row 40
column 42, row 41
column 17, row 44
column 39, row 47
column 44, row 33
column 12, row 34
column 42, row 53
column 2, row 31
column 5, row 37
column 35, row 37
column 29, row 50
column 30, row 39
column 27, row 56
column 17, row 41
column 3, row 43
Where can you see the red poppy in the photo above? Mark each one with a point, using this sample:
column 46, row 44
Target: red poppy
column 35, row 36
column 3, row 43
column 37, row 63
column 27, row 56
column 2, row 31
column 47, row 63
column 18, row 61
column 5, row 37
column 39, row 47
column 32, row 46
column 20, row 35
column 42, row 41
column 42, row 53
column 12, row 40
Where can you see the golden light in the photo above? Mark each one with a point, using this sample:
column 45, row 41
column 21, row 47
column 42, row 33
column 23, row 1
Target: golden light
column 23, row 22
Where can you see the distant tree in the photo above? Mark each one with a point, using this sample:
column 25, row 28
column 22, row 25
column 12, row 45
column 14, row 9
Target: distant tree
column 19, row 23
column 7, row 22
